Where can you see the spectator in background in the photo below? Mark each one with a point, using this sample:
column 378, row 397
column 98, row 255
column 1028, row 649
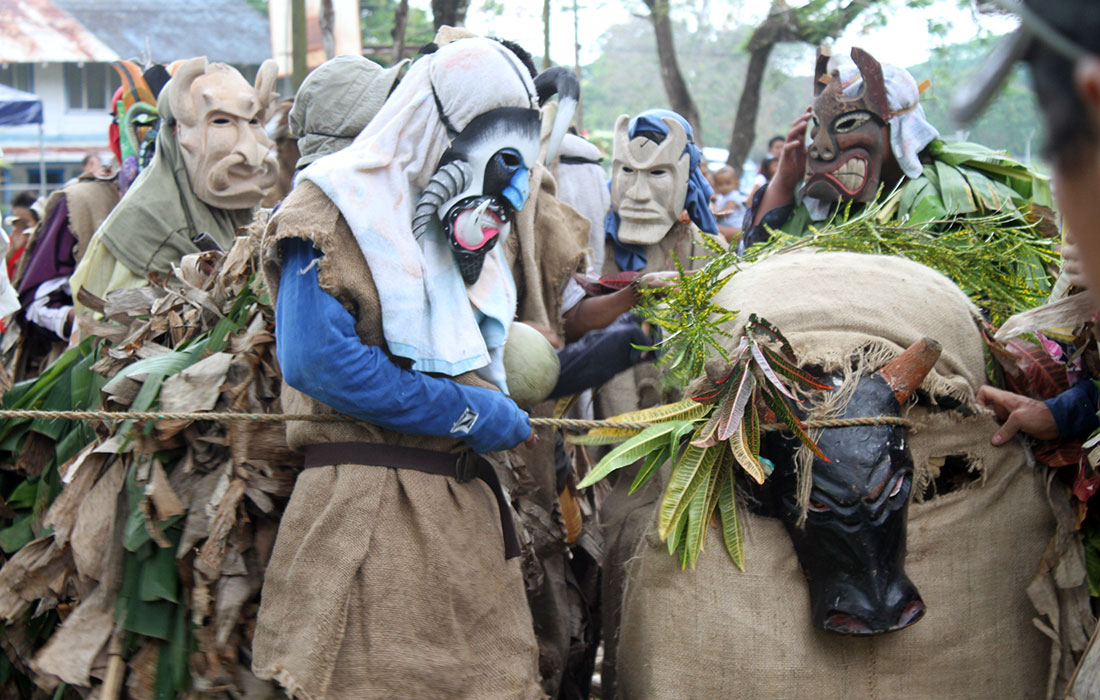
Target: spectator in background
column 91, row 164
column 728, row 203
column 24, row 217
column 763, row 175
column 775, row 146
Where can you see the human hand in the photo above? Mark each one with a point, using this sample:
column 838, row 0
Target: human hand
column 657, row 280
column 1019, row 414
column 792, row 159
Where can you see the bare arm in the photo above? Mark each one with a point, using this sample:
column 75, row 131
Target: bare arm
column 593, row 313
column 789, row 172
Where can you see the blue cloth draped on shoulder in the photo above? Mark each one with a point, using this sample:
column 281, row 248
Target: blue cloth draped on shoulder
column 632, row 257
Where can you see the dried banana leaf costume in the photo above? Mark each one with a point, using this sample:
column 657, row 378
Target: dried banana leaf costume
column 387, row 581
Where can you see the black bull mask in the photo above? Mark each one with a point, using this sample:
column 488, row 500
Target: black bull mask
column 852, row 544
column 849, row 139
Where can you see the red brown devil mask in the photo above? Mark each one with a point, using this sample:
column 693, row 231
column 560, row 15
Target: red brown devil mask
column 850, row 136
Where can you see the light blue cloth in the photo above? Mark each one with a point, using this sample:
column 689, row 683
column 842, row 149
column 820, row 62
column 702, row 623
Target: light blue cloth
column 632, row 257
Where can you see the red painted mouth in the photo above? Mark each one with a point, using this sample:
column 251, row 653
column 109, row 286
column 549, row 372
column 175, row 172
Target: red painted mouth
column 850, row 175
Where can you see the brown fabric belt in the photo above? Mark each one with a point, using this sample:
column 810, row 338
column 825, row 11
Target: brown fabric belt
column 452, row 464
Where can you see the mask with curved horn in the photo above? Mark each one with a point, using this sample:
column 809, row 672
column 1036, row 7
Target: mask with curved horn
column 179, row 95
column 446, row 184
column 229, row 159
column 906, row 371
column 559, row 81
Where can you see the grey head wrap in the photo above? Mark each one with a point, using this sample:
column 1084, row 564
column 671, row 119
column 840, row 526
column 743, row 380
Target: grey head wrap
column 336, row 101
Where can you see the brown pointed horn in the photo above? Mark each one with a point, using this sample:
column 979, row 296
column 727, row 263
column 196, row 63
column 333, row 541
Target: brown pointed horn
column 821, row 69
column 873, row 82
column 906, row 371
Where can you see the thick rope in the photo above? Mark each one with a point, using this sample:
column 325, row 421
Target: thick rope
column 340, row 418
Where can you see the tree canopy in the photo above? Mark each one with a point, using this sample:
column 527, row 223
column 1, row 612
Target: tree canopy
column 624, row 80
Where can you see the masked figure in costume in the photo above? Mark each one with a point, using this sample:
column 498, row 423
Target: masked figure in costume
column 212, row 166
column 395, row 571
column 869, row 132
column 134, row 129
column 655, row 177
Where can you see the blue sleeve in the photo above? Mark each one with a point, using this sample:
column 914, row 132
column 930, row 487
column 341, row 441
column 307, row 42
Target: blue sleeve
column 322, row 356
column 595, row 358
column 1074, row 410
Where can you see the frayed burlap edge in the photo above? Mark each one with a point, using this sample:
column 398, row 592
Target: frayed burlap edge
column 290, row 687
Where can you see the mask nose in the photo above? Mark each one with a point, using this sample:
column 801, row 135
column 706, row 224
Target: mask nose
column 821, row 149
column 253, row 150
column 860, row 610
column 518, row 189
column 634, row 187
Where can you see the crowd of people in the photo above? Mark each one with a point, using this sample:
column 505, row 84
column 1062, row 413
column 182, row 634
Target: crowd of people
column 419, row 215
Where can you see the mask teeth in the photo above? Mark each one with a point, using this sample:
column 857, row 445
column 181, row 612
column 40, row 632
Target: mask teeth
column 469, row 265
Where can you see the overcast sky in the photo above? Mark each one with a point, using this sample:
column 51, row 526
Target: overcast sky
column 904, row 41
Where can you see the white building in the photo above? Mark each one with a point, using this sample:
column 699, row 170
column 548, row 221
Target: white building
column 61, row 50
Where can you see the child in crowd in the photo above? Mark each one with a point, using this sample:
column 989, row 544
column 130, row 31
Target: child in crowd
column 728, row 203
column 763, row 175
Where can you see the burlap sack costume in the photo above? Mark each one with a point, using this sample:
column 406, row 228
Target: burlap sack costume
column 636, row 388
column 368, row 624
column 718, row 632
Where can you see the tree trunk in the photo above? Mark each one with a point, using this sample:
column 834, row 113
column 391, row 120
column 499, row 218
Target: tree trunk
column 327, row 20
column 449, row 12
column 783, row 23
column 578, row 118
column 677, row 90
column 299, row 43
column 545, row 34
column 400, row 22
column 744, row 125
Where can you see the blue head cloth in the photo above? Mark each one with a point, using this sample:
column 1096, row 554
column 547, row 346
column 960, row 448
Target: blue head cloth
column 632, row 257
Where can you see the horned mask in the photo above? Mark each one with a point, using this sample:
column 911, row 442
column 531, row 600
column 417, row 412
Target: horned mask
column 220, row 118
column 649, row 180
column 482, row 177
column 133, row 133
column 849, row 137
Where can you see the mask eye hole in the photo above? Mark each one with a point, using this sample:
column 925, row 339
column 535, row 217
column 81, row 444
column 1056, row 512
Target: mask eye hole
column 657, row 172
column 220, row 121
column 510, row 159
column 254, row 122
column 627, row 170
column 850, row 122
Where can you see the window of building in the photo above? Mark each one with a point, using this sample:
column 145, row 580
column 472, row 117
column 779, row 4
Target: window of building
column 18, row 75
column 90, row 86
